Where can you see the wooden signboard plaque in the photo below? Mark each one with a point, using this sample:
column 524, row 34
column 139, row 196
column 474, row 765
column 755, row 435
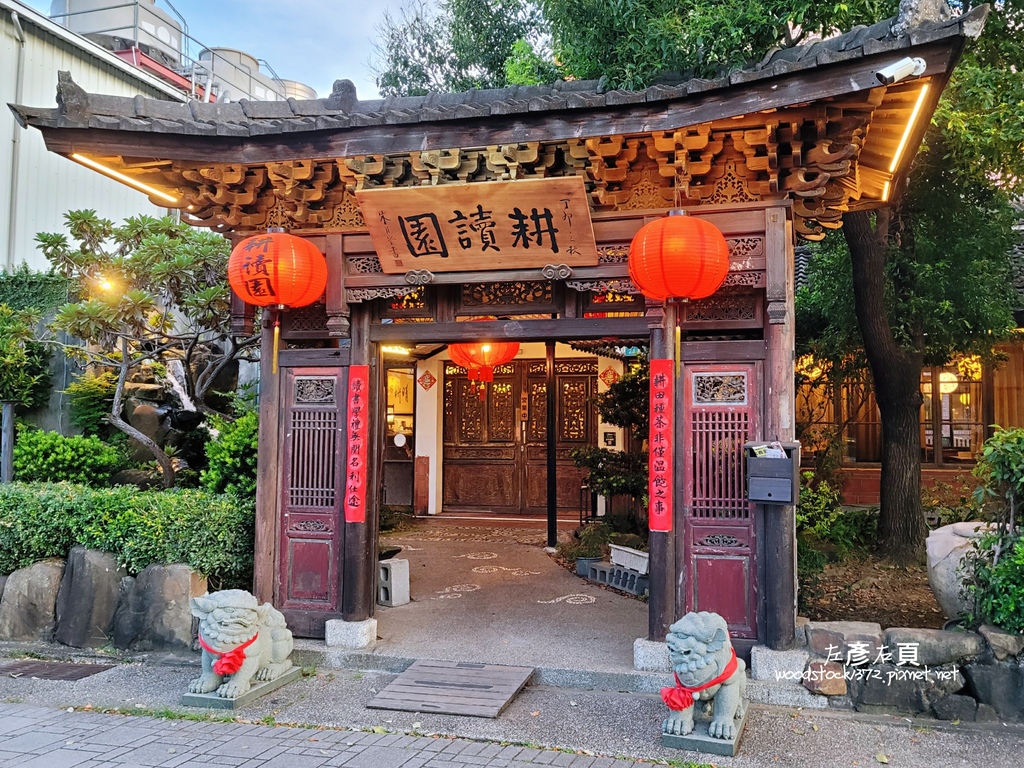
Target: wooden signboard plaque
column 474, row 227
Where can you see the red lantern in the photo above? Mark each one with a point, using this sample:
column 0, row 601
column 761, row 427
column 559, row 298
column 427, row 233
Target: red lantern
column 481, row 358
column 277, row 270
column 678, row 257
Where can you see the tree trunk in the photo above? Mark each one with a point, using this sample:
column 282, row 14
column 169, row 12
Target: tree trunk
column 162, row 459
column 897, row 376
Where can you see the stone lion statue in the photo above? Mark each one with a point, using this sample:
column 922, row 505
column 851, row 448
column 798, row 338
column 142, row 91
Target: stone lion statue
column 242, row 641
column 706, row 669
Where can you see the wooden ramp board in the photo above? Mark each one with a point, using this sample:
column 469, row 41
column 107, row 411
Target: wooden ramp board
column 453, row 688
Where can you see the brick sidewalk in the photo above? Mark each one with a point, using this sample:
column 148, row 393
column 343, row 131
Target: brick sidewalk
column 37, row 737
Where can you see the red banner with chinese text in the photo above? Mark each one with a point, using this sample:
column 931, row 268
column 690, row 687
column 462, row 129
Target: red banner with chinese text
column 355, row 463
column 659, row 506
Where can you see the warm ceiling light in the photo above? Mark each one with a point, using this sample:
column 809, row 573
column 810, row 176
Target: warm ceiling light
column 151, row 191
column 910, row 126
column 394, row 350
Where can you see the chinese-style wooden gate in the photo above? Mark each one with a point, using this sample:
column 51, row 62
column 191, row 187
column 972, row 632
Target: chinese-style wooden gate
column 778, row 150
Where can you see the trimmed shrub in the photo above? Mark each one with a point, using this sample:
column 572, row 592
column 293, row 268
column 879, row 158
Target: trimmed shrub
column 50, row 457
column 91, row 396
column 231, row 456
column 212, row 533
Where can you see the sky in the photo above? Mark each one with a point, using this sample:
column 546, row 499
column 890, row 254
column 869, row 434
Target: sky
column 312, row 41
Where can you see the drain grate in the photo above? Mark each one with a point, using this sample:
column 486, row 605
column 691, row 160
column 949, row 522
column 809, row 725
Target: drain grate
column 51, row 670
column 453, row 688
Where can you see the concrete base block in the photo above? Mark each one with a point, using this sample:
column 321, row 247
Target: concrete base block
column 700, row 741
column 350, row 634
column 650, row 656
column 213, row 701
column 777, row 666
column 784, row 695
column 393, row 582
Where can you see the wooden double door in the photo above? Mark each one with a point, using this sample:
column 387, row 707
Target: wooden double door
column 495, row 436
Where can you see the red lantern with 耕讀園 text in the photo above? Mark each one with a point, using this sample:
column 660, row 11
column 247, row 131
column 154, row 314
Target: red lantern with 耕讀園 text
column 276, row 269
column 678, row 257
column 279, row 271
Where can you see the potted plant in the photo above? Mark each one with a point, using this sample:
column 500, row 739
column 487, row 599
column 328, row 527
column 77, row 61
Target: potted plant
column 589, row 546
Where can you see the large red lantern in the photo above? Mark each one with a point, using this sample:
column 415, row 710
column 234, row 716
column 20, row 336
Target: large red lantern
column 277, row 270
column 481, row 358
column 678, row 257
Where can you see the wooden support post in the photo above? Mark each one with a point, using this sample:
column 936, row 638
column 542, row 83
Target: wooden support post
column 359, row 582
column 268, row 473
column 552, row 399
column 779, row 521
column 661, row 606
column 7, row 444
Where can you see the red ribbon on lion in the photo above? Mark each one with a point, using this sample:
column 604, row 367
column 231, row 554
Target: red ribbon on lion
column 231, row 661
column 680, row 697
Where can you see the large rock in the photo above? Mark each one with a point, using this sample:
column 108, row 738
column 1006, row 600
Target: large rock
column 887, row 687
column 154, row 614
column 956, row 707
column 999, row 685
column 829, row 638
column 947, row 546
column 88, row 598
column 3, row 581
column 826, row 678
column 28, row 609
column 1003, row 644
column 933, row 647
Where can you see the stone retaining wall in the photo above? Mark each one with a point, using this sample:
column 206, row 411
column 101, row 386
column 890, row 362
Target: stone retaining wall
column 951, row 675
column 87, row 601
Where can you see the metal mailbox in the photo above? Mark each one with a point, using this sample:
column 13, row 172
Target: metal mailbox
column 773, row 480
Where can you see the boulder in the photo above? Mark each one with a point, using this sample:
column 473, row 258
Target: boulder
column 28, row 609
column 1003, row 644
column 884, row 688
column 88, row 598
column 956, row 707
column 141, row 391
column 3, row 580
column 947, row 546
column 149, row 420
column 1001, row 686
column 933, row 647
column 153, row 614
column 825, row 678
column 829, row 638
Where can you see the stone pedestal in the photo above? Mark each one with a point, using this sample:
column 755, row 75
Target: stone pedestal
column 213, row 701
column 700, row 741
column 350, row 635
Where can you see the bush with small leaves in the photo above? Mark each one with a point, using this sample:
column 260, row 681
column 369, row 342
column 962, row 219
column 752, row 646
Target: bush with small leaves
column 51, row 457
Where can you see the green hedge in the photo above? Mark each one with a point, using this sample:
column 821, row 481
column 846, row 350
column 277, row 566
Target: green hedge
column 213, row 533
column 50, row 457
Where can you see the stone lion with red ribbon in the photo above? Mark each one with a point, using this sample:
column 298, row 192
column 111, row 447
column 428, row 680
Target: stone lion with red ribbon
column 706, row 669
column 242, row 642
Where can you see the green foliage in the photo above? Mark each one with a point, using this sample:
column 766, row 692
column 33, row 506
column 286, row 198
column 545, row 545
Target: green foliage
column 1001, row 469
column 211, row 533
column 16, row 380
column 90, row 397
column 822, row 523
column 626, row 402
column 40, row 292
column 231, row 456
column 997, row 581
column 589, row 541
column 613, row 473
column 393, row 518
column 631, row 42
column 461, row 44
column 51, row 457
column 525, row 66
column 947, row 503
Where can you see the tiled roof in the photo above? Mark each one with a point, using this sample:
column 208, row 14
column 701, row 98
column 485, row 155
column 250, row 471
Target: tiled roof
column 343, row 109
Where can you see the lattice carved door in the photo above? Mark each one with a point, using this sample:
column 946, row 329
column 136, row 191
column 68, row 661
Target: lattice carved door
column 721, row 411
column 312, row 479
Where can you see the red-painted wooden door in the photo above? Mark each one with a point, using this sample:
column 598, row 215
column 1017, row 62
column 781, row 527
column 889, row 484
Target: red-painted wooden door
column 311, row 530
column 721, row 411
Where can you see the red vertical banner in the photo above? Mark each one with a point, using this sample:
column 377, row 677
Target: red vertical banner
column 358, row 423
column 659, row 504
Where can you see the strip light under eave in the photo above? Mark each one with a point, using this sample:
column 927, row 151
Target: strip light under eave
column 885, row 192
column 151, row 191
column 910, row 127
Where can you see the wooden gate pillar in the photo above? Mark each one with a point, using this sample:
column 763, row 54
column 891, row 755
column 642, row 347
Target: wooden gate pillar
column 268, row 476
column 360, row 549
column 780, row 338
column 661, row 543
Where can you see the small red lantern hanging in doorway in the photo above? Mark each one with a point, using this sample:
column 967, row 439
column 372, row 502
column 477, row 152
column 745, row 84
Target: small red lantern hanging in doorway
column 279, row 271
column 481, row 358
column 678, row 257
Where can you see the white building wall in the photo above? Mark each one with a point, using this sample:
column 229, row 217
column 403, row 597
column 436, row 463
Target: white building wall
column 37, row 187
